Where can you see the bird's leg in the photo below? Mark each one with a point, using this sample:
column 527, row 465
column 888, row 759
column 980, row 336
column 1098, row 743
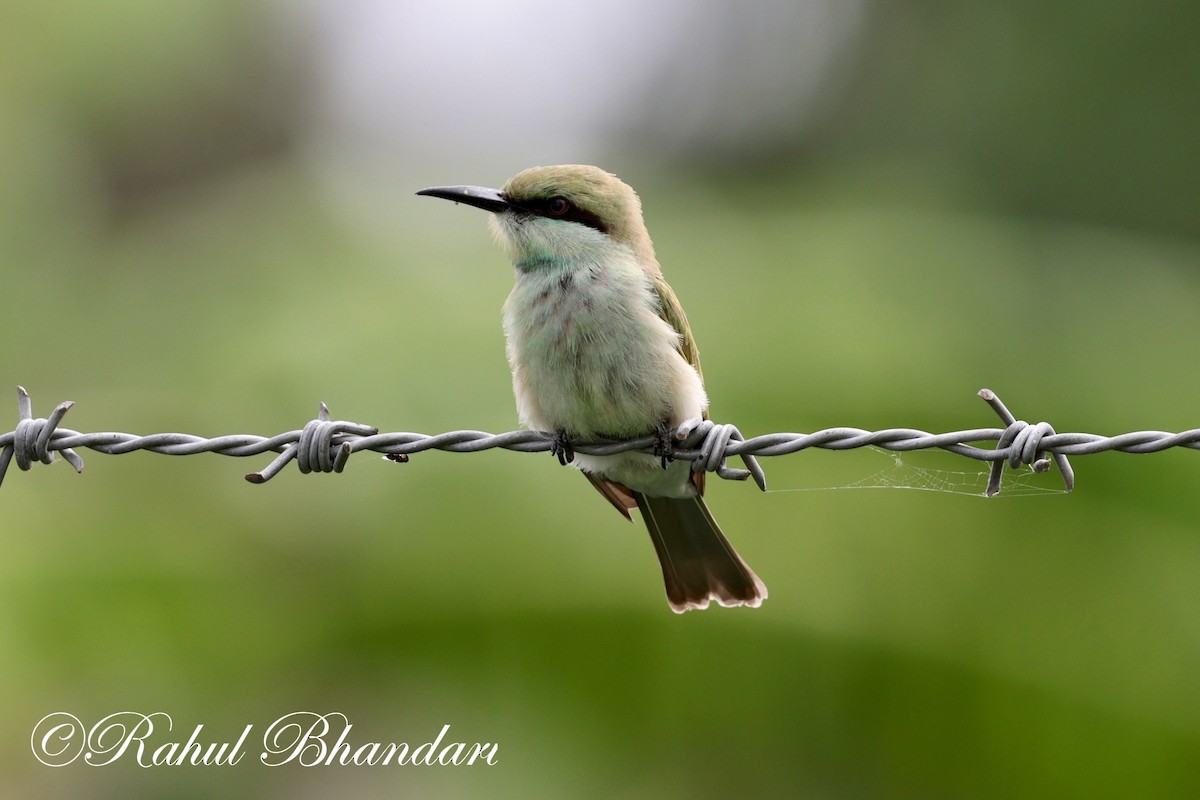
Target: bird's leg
column 664, row 444
column 560, row 446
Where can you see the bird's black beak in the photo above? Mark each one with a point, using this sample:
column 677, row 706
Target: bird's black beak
column 478, row 196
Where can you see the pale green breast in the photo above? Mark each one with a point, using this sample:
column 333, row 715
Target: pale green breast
column 590, row 353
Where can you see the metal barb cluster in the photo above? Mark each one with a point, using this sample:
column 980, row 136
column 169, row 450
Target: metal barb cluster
column 316, row 449
column 325, row 445
column 31, row 439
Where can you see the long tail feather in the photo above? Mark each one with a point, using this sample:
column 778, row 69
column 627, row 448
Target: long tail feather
column 698, row 563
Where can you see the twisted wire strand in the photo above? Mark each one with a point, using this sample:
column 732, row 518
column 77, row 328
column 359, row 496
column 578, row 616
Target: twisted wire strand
column 325, row 445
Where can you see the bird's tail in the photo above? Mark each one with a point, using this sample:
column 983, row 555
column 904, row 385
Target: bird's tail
column 698, row 563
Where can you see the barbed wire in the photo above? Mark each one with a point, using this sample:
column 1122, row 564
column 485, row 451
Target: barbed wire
column 324, row 445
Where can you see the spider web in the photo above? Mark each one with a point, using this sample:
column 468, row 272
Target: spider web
column 918, row 472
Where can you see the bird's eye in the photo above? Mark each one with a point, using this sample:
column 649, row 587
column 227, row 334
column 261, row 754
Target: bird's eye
column 558, row 206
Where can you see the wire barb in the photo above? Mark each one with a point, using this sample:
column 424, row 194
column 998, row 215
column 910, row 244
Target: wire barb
column 1024, row 443
column 325, row 445
column 321, row 447
column 31, row 439
column 714, row 441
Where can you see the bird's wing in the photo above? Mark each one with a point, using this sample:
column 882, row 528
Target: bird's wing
column 671, row 311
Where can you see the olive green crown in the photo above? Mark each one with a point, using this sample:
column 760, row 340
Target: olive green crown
column 591, row 189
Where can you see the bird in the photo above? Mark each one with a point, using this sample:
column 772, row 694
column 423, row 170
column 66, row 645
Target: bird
column 600, row 347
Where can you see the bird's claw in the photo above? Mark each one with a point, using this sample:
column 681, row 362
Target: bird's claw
column 560, row 446
column 664, row 445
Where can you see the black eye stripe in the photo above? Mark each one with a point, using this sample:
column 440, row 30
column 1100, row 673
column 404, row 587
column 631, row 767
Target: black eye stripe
column 541, row 207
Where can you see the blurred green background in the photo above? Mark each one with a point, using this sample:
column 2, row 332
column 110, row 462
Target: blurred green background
column 869, row 210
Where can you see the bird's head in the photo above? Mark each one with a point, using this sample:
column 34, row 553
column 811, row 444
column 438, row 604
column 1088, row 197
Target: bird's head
column 550, row 215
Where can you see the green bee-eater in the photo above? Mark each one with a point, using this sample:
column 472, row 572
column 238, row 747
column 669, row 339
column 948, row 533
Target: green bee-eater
column 600, row 347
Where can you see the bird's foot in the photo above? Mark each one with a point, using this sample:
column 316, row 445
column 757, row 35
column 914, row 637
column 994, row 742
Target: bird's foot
column 664, row 444
column 560, row 446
